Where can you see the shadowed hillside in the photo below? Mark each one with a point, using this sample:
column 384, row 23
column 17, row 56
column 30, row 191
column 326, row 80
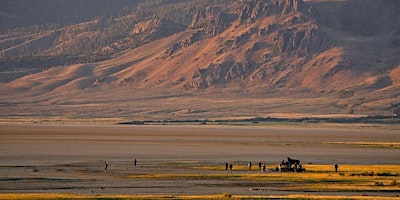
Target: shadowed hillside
column 216, row 58
column 20, row 13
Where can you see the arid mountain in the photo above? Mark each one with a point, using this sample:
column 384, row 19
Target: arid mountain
column 18, row 13
column 219, row 59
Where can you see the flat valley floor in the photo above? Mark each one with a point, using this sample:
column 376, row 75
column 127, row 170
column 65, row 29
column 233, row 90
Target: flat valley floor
column 179, row 160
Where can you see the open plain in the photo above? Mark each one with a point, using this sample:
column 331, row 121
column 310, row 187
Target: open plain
column 190, row 160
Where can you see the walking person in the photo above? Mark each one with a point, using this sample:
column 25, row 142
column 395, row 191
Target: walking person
column 135, row 162
column 249, row 165
column 230, row 167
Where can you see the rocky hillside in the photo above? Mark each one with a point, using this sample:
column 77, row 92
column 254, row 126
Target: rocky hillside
column 318, row 57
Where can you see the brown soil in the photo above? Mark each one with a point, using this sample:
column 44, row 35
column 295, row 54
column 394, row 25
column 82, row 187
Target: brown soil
column 70, row 158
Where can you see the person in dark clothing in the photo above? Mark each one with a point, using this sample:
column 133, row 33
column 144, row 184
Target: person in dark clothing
column 336, row 167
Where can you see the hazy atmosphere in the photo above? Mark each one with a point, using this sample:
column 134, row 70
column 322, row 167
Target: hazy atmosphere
column 217, row 58
column 204, row 99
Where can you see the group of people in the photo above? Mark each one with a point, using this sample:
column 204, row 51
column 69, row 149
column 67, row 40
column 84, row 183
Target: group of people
column 261, row 166
column 106, row 165
column 291, row 165
column 228, row 166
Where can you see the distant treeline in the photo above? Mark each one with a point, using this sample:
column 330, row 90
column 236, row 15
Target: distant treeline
column 22, row 13
column 378, row 119
column 367, row 119
column 60, row 32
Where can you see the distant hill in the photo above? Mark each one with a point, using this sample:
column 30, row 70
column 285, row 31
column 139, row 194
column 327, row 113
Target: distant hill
column 202, row 59
column 21, row 13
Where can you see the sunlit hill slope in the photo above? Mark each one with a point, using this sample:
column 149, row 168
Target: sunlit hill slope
column 213, row 59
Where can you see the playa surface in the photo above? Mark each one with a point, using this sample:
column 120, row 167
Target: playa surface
column 70, row 158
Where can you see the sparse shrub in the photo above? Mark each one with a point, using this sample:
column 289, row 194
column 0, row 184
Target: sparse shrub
column 379, row 184
column 367, row 174
column 386, row 174
column 363, row 174
column 394, row 183
column 60, row 170
column 226, row 195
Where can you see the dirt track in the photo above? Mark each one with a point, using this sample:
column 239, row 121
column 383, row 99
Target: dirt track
column 70, row 159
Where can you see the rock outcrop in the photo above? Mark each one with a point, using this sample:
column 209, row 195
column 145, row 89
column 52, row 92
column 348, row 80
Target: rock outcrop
column 347, row 51
column 290, row 33
column 254, row 9
column 213, row 20
column 302, row 40
column 155, row 29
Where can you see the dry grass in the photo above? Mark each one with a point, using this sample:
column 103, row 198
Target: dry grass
column 317, row 178
column 353, row 168
column 203, row 175
column 147, row 197
column 394, row 145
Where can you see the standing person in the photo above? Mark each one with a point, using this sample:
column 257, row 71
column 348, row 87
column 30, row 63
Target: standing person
column 135, row 162
column 336, row 167
column 263, row 167
column 249, row 166
column 230, row 167
column 259, row 166
column 226, row 166
column 105, row 166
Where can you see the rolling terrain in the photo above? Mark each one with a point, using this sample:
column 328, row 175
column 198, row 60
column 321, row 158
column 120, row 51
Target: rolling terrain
column 220, row 59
